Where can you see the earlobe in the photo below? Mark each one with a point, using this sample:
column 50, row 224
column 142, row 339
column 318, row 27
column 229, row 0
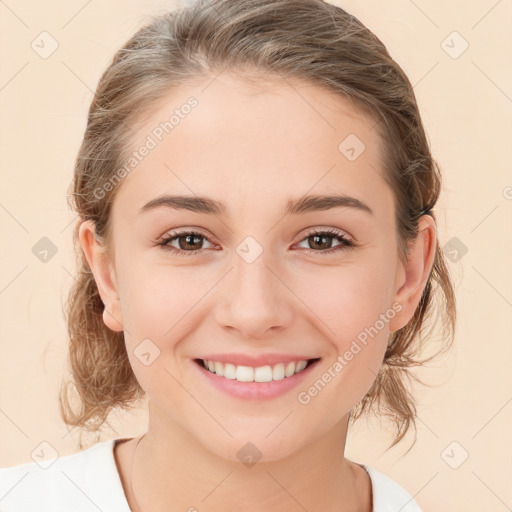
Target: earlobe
column 415, row 272
column 101, row 267
column 110, row 320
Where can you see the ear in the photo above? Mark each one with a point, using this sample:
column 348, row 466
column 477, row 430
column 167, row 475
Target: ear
column 412, row 277
column 104, row 275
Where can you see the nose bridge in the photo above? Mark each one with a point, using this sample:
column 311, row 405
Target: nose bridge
column 255, row 300
column 252, row 278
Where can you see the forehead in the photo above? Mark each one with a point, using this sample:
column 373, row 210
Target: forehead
column 245, row 140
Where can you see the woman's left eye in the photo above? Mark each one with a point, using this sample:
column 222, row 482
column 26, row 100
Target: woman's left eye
column 319, row 238
column 186, row 239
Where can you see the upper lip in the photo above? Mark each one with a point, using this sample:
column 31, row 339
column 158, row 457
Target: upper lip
column 256, row 361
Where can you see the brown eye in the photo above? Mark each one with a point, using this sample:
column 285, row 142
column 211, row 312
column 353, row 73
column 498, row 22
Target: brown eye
column 321, row 241
column 189, row 242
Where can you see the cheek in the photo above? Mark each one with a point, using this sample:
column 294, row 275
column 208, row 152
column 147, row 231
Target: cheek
column 158, row 306
column 159, row 301
column 354, row 314
column 353, row 307
column 347, row 299
column 162, row 306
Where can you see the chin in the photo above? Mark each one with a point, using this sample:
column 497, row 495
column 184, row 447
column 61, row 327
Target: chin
column 251, row 447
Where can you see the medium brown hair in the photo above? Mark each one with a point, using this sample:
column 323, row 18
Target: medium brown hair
column 305, row 39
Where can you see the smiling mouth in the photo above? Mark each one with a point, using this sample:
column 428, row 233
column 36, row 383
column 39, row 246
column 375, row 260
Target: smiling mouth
column 265, row 373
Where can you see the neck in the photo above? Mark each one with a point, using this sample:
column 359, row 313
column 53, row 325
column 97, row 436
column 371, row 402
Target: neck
column 170, row 471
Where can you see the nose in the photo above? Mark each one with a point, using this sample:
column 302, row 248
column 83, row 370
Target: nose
column 255, row 300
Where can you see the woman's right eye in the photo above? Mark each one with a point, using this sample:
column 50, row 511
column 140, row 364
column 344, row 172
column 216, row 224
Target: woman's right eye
column 189, row 237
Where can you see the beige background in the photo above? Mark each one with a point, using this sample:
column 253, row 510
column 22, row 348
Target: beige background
column 466, row 103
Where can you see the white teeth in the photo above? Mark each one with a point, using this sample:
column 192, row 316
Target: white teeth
column 263, row 374
column 230, row 371
column 300, row 366
column 260, row 374
column 289, row 370
column 219, row 369
column 244, row 373
column 278, row 372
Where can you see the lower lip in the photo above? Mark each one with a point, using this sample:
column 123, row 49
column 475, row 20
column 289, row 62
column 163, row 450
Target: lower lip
column 254, row 390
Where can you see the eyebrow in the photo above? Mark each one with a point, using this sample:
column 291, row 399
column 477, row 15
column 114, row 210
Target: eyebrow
column 294, row 206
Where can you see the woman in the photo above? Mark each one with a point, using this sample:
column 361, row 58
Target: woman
column 258, row 257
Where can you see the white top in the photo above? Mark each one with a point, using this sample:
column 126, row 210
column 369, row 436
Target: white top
column 88, row 481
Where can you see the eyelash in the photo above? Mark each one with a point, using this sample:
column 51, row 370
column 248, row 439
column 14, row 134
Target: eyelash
column 346, row 244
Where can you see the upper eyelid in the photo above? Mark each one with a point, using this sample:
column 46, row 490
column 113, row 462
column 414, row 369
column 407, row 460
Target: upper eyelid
column 170, row 235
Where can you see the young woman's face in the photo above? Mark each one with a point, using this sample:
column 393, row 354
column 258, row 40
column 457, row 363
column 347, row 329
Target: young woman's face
column 259, row 282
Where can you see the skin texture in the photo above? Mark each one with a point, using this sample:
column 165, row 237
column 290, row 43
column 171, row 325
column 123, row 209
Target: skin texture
column 254, row 149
